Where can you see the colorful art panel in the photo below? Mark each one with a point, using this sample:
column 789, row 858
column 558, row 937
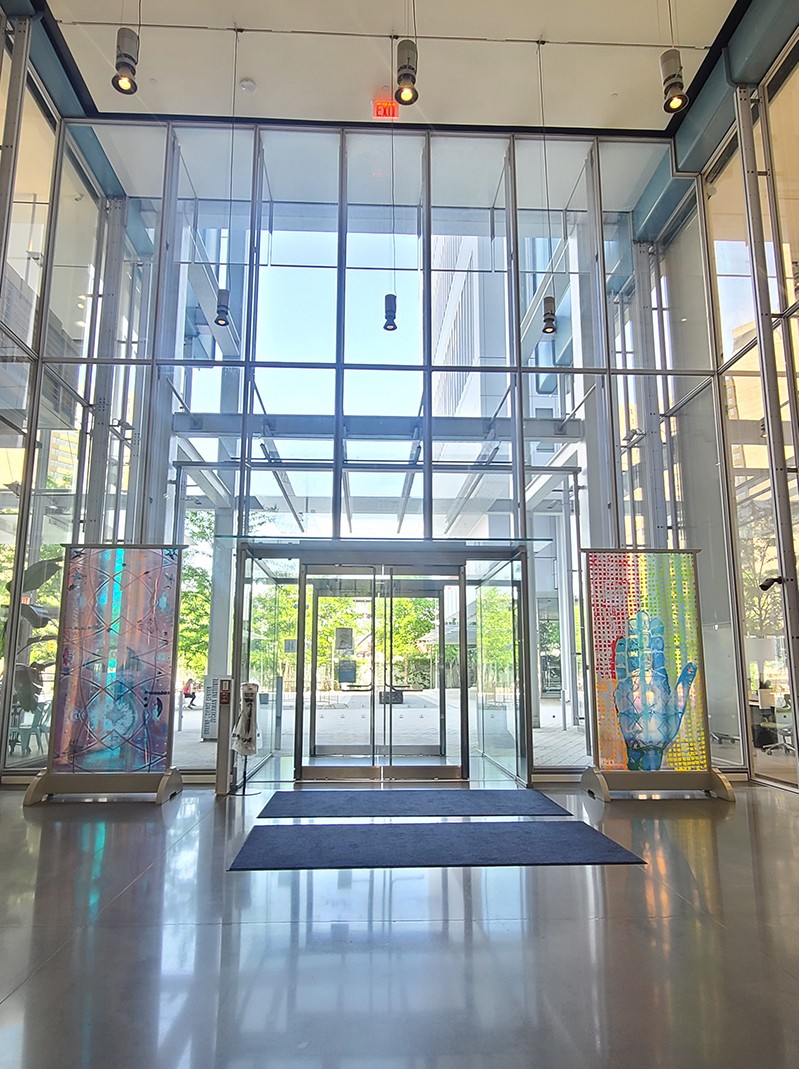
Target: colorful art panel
column 648, row 672
column 114, row 687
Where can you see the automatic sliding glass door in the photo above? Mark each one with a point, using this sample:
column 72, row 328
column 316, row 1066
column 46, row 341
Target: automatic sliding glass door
column 341, row 697
column 377, row 650
column 269, row 654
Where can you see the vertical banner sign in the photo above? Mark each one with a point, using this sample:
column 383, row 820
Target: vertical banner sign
column 647, row 662
column 114, row 683
column 216, row 692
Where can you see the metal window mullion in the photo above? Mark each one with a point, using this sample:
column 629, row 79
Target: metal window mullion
column 731, row 554
column 341, row 298
column 390, row 667
column 427, row 342
column 372, row 710
column 97, row 485
column 583, row 634
column 775, row 438
column 41, row 321
column 161, row 304
column 249, row 336
column 123, row 447
column 11, row 131
column 463, row 663
column 771, row 196
column 313, row 710
column 3, row 32
column 238, row 655
column 782, row 283
column 785, row 301
column 441, row 668
column 595, row 207
column 299, row 697
column 514, row 299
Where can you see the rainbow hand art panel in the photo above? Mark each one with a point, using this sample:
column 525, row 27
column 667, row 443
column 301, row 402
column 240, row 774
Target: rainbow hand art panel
column 113, row 694
column 648, row 683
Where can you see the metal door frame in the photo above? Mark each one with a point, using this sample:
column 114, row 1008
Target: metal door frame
column 375, row 770
column 362, row 553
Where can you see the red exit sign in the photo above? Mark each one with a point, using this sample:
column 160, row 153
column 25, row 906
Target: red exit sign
column 385, row 109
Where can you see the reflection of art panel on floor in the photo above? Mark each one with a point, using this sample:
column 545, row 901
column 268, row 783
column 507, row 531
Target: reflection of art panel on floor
column 114, row 685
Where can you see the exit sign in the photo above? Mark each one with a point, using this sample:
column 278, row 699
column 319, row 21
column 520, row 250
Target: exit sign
column 385, row 109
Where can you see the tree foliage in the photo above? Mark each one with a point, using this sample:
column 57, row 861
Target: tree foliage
column 195, row 595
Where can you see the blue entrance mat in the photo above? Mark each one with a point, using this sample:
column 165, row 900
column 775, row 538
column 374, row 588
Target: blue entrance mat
column 445, row 802
column 433, row 845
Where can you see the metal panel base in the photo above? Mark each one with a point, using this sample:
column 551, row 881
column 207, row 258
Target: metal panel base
column 599, row 784
column 163, row 786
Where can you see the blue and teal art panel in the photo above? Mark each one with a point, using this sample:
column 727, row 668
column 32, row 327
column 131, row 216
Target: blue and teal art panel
column 113, row 693
column 648, row 673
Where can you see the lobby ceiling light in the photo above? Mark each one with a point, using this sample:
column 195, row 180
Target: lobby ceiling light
column 391, row 312
column 408, row 59
column 390, row 303
column 127, row 58
column 407, row 63
column 550, row 318
column 222, row 317
column 675, row 99
column 550, row 324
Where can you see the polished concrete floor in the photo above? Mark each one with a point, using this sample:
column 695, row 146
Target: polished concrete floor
column 125, row 943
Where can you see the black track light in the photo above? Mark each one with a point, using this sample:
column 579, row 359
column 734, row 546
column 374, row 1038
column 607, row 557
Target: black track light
column 124, row 81
column 222, row 317
column 407, row 63
column 391, row 312
column 550, row 319
column 675, row 99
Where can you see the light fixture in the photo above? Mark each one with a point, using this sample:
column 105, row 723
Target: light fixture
column 550, row 319
column 124, row 81
column 390, row 303
column 391, row 312
column 222, row 317
column 407, row 64
column 675, row 99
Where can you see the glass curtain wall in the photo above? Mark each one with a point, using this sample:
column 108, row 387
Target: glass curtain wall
column 302, row 418
column 31, row 589
column 25, row 254
column 769, row 701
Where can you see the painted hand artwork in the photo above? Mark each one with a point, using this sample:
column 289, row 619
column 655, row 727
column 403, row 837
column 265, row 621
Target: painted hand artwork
column 650, row 713
column 651, row 707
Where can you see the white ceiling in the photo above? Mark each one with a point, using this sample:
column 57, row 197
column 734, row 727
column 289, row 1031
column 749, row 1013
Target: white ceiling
column 328, row 59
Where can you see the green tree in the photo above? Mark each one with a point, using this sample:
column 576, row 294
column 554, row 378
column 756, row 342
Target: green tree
column 195, row 595
column 411, row 620
column 195, row 610
column 495, row 629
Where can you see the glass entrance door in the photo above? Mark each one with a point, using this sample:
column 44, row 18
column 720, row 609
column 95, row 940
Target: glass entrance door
column 377, row 698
